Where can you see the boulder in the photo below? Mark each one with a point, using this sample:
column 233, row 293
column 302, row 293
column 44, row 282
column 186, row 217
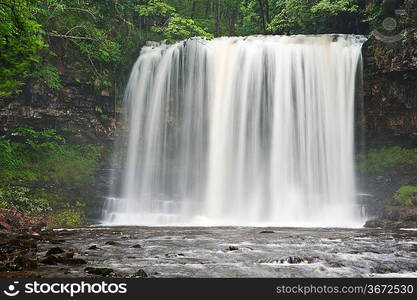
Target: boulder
column 267, row 231
column 140, row 274
column 51, row 260
column 105, row 272
column 112, row 243
column 55, row 250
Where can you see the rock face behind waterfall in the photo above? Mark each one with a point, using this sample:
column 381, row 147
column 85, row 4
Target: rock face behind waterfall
column 390, row 96
column 72, row 111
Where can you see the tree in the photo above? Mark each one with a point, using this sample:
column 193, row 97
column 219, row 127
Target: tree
column 315, row 16
column 20, row 42
column 165, row 20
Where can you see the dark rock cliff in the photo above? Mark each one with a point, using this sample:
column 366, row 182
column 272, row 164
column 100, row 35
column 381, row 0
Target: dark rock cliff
column 76, row 111
column 389, row 119
column 390, row 92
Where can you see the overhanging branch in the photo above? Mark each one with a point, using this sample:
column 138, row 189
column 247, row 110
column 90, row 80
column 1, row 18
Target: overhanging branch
column 72, row 37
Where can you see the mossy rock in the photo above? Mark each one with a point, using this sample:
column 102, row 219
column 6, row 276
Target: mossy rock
column 105, row 272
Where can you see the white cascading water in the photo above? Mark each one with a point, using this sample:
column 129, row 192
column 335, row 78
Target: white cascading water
column 246, row 131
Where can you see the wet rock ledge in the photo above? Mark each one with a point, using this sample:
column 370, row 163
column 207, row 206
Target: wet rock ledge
column 395, row 217
column 21, row 257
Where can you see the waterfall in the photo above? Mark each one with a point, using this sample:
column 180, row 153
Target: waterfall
column 241, row 131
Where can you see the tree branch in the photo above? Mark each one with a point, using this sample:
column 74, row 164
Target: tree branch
column 75, row 27
column 73, row 37
column 82, row 10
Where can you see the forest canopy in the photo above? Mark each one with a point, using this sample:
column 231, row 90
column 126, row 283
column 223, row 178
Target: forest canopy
column 95, row 42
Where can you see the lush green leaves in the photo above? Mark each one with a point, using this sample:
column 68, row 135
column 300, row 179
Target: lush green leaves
column 155, row 8
column 406, row 195
column 43, row 156
column 334, row 8
column 166, row 21
column 20, row 199
column 39, row 165
column 96, row 42
column 20, row 42
column 314, row 16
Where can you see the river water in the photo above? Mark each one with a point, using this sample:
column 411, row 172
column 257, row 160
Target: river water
column 261, row 252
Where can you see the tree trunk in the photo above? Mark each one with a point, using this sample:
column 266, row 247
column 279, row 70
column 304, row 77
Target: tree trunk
column 218, row 18
column 261, row 6
column 193, row 9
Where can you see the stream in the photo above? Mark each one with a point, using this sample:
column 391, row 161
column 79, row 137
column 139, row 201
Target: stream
column 239, row 252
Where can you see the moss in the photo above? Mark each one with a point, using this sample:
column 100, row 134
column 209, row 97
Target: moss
column 406, row 195
column 100, row 271
column 67, row 218
column 4, row 204
column 378, row 160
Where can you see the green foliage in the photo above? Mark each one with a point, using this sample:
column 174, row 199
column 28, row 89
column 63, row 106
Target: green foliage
column 20, row 42
column 180, row 28
column 20, row 199
column 377, row 160
column 47, row 75
column 406, row 195
column 38, row 145
column 67, row 218
column 94, row 42
column 334, row 8
column 44, row 166
column 314, row 16
column 169, row 23
column 71, row 165
column 251, row 20
column 76, row 31
column 8, row 160
column 43, row 156
column 155, row 8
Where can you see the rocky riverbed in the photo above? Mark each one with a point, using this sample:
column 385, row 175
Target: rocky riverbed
column 209, row 252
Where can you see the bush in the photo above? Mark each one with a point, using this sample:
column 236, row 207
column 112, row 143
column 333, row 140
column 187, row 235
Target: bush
column 406, row 195
column 19, row 199
column 71, row 165
column 43, row 156
column 378, row 160
column 67, row 218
